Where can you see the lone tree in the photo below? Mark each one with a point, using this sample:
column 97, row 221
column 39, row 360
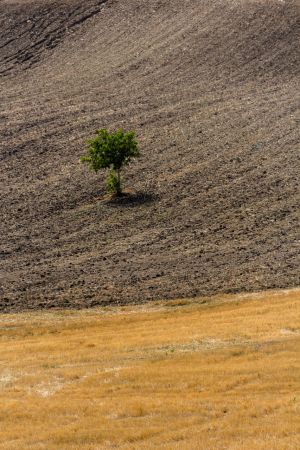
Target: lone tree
column 111, row 151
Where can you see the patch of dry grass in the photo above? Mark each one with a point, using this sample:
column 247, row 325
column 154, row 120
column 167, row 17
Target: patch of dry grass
column 221, row 374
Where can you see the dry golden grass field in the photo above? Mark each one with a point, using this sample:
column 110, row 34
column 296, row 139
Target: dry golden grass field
column 219, row 373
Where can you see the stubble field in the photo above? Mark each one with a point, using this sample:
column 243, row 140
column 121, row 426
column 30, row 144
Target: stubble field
column 208, row 374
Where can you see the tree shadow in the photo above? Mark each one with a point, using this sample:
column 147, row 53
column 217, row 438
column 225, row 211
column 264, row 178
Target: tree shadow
column 131, row 199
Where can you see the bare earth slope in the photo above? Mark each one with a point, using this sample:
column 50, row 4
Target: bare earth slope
column 212, row 89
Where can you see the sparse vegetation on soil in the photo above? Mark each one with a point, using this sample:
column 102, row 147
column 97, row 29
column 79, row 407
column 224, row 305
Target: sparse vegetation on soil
column 206, row 374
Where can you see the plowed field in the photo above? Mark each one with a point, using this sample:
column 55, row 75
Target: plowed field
column 212, row 90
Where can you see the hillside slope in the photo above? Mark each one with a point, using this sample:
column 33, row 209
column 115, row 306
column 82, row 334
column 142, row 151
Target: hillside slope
column 212, row 89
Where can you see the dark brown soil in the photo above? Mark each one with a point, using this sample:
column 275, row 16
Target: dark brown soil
column 211, row 88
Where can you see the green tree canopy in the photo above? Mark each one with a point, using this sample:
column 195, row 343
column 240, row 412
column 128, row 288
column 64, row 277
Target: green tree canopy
column 111, row 151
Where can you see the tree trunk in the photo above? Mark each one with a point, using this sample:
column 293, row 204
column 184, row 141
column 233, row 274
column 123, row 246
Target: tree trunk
column 119, row 190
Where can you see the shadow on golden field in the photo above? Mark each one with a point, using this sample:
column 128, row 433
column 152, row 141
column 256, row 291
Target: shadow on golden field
column 219, row 373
